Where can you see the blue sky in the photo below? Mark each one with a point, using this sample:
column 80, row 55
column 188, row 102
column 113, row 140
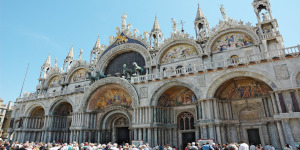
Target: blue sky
column 29, row 29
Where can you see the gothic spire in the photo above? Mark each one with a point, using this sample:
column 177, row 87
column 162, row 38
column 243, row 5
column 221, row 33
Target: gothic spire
column 156, row 26
column 200, row 14
column 97, row 45
column 70, row 55
column 48, row 61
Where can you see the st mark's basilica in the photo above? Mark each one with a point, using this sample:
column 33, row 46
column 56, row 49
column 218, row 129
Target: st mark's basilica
column 228, row 83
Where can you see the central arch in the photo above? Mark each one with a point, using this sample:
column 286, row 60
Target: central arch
column 124, row 85
column 115, row 125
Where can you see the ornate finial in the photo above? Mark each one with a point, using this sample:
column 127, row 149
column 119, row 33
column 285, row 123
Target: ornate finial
column 223, row 12
column 80, row 54
column 182, row 23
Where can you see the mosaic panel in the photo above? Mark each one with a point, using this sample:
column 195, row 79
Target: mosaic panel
column 179, row 52
column 232, row 41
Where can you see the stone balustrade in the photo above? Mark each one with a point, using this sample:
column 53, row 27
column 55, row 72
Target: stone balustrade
column 270, row 34
column 49, row 95
column 222, row 64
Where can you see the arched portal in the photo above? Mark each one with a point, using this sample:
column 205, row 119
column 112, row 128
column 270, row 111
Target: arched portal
column 61, row 121
column 186, row 128
column 115, row 127
column 248, row 101
column 34, row 121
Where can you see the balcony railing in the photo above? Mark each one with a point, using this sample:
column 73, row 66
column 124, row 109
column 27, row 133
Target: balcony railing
column 222, row 64
column 270, row 34
column 49, row 95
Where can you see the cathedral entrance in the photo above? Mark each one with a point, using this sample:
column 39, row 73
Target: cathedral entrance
column 187, row 138
column 253, row 136
column 122, row 135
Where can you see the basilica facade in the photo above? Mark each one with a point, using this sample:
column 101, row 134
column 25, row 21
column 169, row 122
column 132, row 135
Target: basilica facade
column 229, row 83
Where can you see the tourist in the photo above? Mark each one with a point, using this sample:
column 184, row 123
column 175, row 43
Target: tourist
column 207, row 146
column 267, row 147
column 272, row 147
column 252, row 147
column 168, row 147
column 114, row 146
column 225, row 145
column 232, row 147
column 86, row 146
column 243, row 146
column 258, row 147
column 126, row 146
column 75, row 147
column 134, row 148
column 288, row 147
column 188, row 146
column 193, row 147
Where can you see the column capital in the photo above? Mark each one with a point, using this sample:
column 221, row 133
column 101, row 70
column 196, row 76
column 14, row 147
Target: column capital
column 207, row 99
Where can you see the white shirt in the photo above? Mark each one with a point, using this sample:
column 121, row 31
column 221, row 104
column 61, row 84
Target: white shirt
column 252, row 147
column 244, row 146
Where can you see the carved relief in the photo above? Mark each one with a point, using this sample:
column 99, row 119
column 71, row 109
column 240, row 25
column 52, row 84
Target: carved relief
column 282, row 72
column 144, row 92
column 249, row 113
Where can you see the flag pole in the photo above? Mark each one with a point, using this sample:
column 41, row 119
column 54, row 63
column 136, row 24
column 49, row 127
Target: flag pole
column 24, row 80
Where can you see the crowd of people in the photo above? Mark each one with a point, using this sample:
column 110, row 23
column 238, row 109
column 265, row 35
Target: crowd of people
column 110, row 146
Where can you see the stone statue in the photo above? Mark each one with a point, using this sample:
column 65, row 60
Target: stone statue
column 223, row 12
column 80, row 54
column 265, row 16
column 174, row 24
column 135, row 31
column 55, row 64
column 146, row 34
column 117, row 30
column 111, row 39
column 128, row 27
column 124, row 21
column 137, row 68
column 290, row 108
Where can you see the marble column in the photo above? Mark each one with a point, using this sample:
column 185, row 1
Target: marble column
column 135, row 136
column 273, row 135
column 144, row 134
column 204, row 131
column 211, row 132
column 149, row 139
column 265, row 134
column 175, row 137
column 197, row 133
column 218, row 133
column 155, row 136
column 288, row 133
column 140, row 134
column 170, row 137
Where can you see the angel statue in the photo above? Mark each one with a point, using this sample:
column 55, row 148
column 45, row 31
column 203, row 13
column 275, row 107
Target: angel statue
column 55, row 64
column 134, row 32
column 223, row 12
column 146, row 34
column 111, row 39
column 80, row 54
column 265, row 16
column 174, row 26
